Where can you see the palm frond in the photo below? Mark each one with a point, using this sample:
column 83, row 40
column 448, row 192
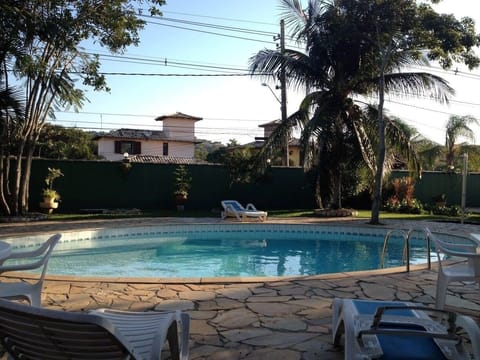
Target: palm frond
column 419, row 84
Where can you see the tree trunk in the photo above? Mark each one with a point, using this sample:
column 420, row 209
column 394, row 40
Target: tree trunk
column 318, row 194
column 15, row 191
column 337, row 195
column 377, row 192
column 4, row 174
column 25, row 182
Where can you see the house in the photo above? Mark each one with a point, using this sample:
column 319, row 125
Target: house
column 176, row 140
column 293, row 144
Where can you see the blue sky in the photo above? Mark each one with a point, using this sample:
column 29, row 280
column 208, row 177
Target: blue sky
column 232, row 106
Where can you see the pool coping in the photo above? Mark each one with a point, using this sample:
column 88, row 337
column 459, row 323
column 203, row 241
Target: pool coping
column 216, row 280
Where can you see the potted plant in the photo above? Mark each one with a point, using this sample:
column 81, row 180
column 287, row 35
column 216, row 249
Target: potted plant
column 50, row 196
column 183, row 182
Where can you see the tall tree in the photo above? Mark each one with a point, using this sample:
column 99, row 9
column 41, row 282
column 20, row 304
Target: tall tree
column 457, row 126
column 340, row 62
column 58, row 142
column 406, row 31
column 46, row 38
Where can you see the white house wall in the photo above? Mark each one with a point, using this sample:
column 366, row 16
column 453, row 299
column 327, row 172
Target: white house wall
column 106, row 148
column 179, row 129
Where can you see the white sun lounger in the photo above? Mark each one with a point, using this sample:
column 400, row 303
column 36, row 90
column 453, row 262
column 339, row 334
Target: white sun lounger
column 28, row 332
column 235, row 209
column 401, row 330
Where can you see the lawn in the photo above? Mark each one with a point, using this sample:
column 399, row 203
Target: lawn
column 469, row 218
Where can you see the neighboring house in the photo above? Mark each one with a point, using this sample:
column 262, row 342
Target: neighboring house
column 293, row 144
column 176, row 140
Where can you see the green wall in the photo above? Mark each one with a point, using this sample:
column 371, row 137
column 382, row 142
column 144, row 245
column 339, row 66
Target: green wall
column 103, row 184
column 435, row 183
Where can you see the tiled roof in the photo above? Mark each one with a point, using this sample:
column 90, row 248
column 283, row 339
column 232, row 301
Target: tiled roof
column 260, row 143
column 159, row 159
column 178, row 115
column 134, row 134
column 271, row 123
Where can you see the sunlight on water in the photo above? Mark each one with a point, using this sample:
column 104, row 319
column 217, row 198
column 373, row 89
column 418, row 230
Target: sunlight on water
column 227, row 254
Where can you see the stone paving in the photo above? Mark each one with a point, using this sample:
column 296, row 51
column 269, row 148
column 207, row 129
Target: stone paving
column 252, row 318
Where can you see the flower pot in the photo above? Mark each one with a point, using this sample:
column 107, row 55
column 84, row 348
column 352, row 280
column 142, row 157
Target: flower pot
column 180, row 201
column 49, row 204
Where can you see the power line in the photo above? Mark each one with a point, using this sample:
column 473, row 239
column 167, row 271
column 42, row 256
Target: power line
column 166, row 75
column 215, row 26
column 220, row 18
column 438, row 69
column 150, row 116
column 220, row 27
column 211, row 33
column 167, row 62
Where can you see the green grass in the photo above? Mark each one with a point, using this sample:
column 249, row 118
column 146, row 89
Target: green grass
column 297, row 213
column 469, row 218
column 146, row 213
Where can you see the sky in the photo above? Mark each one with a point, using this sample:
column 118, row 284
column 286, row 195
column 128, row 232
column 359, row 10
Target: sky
column 177, row 64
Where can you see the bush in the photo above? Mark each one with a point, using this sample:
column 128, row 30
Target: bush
column 453, row 210
column 403, row 201
column 405, row 207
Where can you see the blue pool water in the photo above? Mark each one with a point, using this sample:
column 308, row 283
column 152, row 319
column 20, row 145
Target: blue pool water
column 227, row 250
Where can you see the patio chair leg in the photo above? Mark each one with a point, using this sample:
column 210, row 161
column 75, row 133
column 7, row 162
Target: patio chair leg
column 172, row 337
column 441, row 292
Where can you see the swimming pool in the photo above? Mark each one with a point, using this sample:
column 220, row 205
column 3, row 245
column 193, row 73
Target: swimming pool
column 225, row 250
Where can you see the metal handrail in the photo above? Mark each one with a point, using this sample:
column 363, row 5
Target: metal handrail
column 406, row 249
column 385, row 245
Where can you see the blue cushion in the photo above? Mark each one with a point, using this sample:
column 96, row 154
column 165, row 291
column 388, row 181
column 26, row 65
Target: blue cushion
column 400, row 347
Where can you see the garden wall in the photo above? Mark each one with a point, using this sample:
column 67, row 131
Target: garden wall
column 104, row 185
column 433, row 184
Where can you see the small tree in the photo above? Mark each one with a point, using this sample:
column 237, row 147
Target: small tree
column 183, row 181
column 49, row 191
column 42, row 49
column 457, row 126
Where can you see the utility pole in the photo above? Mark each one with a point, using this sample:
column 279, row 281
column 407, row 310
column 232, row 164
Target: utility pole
column 283, row 87
column 464, row 184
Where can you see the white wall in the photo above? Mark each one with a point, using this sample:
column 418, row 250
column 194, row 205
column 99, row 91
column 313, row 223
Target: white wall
column 106, row 148
column 179, row 129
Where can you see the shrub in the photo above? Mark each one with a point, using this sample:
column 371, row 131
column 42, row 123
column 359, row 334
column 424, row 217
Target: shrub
column 403, row 201
column 453, row 210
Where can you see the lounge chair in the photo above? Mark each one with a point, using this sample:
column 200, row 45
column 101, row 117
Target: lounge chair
column 467, row 270
column 28, row 332
column 234, row 208
column 29, row 260
column 401, row 330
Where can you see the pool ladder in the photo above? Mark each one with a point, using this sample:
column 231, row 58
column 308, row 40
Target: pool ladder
column 406, row 249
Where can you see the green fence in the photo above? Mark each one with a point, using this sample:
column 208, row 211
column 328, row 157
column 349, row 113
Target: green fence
column 105, row 185
column 433, row 184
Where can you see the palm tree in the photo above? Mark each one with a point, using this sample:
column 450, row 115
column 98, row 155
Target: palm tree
column 457, row 126
column 337, row 65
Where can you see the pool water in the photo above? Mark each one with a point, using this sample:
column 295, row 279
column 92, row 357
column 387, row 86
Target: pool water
column 230, row 252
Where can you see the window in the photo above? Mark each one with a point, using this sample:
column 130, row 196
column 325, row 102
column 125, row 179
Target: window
column 130, row 147
column 165, row 149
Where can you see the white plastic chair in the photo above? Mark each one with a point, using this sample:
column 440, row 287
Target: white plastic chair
column 34, row 259
column 468, row 270
column 28, row 332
